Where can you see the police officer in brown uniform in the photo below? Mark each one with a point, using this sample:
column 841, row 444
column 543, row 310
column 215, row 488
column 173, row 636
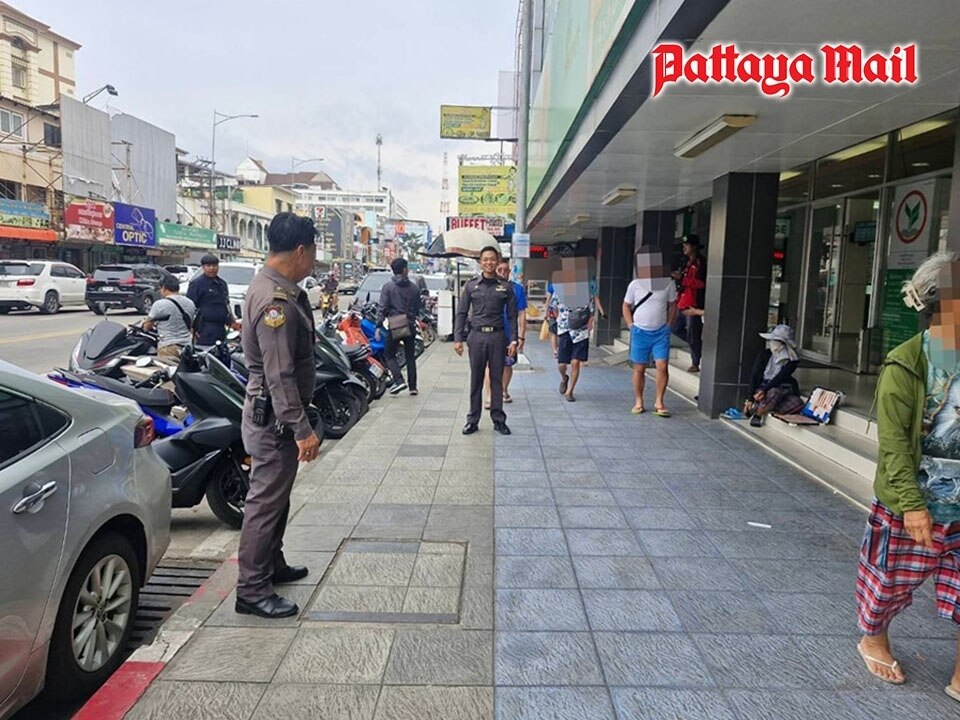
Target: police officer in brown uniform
column 486, row 297
column 278, row 342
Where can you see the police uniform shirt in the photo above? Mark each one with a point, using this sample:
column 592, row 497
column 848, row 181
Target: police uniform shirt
column 211, row 295
column 278, row 341
column 487, row 298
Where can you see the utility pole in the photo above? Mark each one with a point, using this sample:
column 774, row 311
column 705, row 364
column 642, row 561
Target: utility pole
column 379, row 169
column 526, row 62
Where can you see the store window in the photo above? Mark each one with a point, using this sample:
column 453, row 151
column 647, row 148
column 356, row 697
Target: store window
column 794, row 187
column 925, row 146
column 854, row 168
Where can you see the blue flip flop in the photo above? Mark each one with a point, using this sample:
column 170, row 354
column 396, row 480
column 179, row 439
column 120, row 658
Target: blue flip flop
column 733, row 414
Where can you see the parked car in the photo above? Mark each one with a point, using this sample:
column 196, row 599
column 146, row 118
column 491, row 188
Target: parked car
column 348, row 286
column 183, row 273
column 238, row 275
column 124, row 286
column 47, row 286
column 87, row 519
column 314, row 291
column 369, row 289
column 437, row 282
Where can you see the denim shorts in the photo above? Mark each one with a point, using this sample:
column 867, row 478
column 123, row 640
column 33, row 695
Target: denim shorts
column 644, row 343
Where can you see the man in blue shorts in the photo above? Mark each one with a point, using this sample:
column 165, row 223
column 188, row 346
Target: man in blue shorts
column 649, row 308
column 503, row 272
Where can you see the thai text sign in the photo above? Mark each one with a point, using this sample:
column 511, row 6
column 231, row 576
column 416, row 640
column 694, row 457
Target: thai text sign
column 186, row 236
column 89, row 220
column 460, row 121
column 23, row 214
column 488, row 190
column 133, row 225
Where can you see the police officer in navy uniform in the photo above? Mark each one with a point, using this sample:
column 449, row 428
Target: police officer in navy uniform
column 485, row 299
column 211, row 294
column 278, row 344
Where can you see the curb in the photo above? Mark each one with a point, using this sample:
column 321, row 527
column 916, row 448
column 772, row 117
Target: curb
column 126, row 686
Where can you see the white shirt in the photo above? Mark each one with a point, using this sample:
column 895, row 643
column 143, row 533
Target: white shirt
column 652, row 315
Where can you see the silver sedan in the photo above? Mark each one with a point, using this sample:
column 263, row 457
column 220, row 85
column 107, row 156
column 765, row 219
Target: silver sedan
column 84, row 519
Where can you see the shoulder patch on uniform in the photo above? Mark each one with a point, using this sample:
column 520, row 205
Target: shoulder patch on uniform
column 273, row 316
column 280, row 294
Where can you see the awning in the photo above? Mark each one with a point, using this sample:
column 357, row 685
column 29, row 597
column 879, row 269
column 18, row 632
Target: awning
column 34, row 234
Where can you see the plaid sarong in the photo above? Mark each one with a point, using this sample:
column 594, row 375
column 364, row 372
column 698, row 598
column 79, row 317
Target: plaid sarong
column 892, row 566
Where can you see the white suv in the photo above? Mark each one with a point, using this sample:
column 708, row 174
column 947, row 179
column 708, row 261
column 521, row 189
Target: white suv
column 43, row 284
column 238, row 275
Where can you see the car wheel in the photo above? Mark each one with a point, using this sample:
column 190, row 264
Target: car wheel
column 51, row 303
column 227, row 490
column 95, row 618
column 144, row 304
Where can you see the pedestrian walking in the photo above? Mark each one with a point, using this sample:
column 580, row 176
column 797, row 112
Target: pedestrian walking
column 913, row 530
column 485, row 299
column 503, row 272
column 211, row 295
column 573, row 343
column 688, row 324
column 278, row 344
column 649, row 307
column 172, row 316
column 400, row 306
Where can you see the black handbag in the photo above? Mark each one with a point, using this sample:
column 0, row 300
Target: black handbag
column 579, row 318
column 399, row 327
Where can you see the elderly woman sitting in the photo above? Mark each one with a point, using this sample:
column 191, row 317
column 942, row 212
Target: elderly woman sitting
column 913, row 530
column 772, row 385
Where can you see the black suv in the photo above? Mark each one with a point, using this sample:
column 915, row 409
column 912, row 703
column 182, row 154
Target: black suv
column 124, row 286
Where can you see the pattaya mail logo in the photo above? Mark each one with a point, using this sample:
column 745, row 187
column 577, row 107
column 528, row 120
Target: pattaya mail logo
column 776, row 74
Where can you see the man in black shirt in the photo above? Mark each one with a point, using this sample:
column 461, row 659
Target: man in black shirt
column 211, row 295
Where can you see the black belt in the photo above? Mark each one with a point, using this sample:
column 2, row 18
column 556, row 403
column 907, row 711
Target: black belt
column 488, row 329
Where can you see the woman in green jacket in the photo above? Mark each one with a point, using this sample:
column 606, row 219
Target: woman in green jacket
column 913, row 530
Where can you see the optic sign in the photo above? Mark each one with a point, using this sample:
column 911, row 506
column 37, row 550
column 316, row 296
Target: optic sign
column 776, row 74
column 492, row 225
column 133, row 226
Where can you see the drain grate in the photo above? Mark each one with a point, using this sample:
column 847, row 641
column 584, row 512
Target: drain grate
column 166, row 590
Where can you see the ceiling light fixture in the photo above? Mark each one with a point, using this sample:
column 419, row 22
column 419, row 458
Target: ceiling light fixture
column 716, row 132
column 874, row 176
column 619, row 194
column 579, row 219
column 558, row 232
column 920, row 164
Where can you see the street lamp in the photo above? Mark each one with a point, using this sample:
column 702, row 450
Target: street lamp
column 111, row 90
column 218, row 119
column 294, row 164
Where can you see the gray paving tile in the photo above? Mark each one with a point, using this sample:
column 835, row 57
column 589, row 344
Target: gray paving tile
column 226, row 616
column 315, row 538
column 523, row 496
column 337, row 655
column 521, row 464
column 642, row 518
column 424, row 451
column 781, row 546
column 463, row 495
column 576, row 480
column 603, row 542
column 557, row 703
column 539, row 609
column 813, row 614
column 595, row 517
column 652, row 659
column 432, row 601
column 793, row 705
column 379, row 568
column 354, row 494
column 437, row 570
column 476, row 608
column 535, row 572
column 435, row 703
column 516, row 478
column 221, row 700
column 571, row 465
column 715, row 574
column 725, row 612
column 676, row 543
column 526, row 516
column 530, row 541
column 411, row 478
column 357, row 598
column 626, row 573
column 328, row 514
column 645, row 497
column 632, row 610
column 555, row 658
column 816, row 576
column 661, row 703
column 441, row 657
column 583, row 496
column 756, row 662
column 331, row 702
column 905, row 703
column 230, row 655
column 479, row 569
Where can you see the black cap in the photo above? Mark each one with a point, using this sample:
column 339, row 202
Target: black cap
column 209, row 259
column 692, row 239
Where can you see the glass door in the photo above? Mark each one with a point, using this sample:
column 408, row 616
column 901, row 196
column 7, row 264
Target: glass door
column 852, row 339
column 822, row 281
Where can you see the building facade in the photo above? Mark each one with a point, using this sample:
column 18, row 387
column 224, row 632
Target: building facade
column 36, row 64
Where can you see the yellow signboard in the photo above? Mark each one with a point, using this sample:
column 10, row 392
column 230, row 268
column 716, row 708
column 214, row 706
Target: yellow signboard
column 488, row 190
column 461, row 121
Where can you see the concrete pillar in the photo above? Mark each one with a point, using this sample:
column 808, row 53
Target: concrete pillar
column 657, row 227
column 615, row 251
column 739, row 263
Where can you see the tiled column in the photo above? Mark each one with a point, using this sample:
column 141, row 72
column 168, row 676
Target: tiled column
column 657, row 228
column 614, row 272
column 739, row 262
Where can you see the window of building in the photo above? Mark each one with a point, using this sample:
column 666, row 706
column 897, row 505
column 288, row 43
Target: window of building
column 856, row 167
column 9, row 190
column 19, row 72
column 924, row 147
column 12, row 123
column 278, row 205
column 794, row 187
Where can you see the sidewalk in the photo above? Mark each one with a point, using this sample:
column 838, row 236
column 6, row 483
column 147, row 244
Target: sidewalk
column 594, row 564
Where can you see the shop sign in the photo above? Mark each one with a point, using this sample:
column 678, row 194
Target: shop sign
column 910, row 235
column 464, row 122
column 186, row 236
column 133, row 225
column 521, row 245
column 89, row 220
column 228, row 243
column 782, row 227
column 488, row 190
column 492, row 225
column 15, row 213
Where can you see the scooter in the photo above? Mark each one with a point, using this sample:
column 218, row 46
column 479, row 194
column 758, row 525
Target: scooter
column 103, row 348
column 345, row 328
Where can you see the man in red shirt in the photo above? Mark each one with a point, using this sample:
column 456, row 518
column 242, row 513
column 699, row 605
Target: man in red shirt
column 688, row 325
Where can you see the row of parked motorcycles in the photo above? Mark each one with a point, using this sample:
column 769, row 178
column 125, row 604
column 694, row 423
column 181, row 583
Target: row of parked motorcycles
column 196, row 403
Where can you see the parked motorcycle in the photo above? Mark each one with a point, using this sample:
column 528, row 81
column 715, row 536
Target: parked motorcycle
column 103, row 348
column 345, row 327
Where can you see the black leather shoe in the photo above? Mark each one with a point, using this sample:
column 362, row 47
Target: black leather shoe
column 470, row 428
column 290, row 574
column 501, row 427
column 272, row 607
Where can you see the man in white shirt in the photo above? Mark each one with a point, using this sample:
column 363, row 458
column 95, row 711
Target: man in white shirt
column 649, row 308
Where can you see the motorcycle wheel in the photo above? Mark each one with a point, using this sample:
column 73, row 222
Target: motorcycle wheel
column 227, row 489
column 418, row 347
column 363, row 398
column 339, row 409
column 429, row 335
column 368, row 381
column 382, row 383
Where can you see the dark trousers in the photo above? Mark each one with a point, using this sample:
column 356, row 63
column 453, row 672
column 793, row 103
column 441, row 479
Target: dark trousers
column 209, row 333
column 690, row 330
column 410, row 349
column 266, row 509
column 486, row 349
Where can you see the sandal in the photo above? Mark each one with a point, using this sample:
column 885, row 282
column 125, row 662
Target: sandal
column 486, row 405
column 570, row 398
column 637, row 410
column 507, row 398
column 952, row 692
column 563, row 385
column 661, row 412
column 895, row 666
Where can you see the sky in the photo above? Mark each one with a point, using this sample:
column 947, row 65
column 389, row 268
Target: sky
column 325, row 76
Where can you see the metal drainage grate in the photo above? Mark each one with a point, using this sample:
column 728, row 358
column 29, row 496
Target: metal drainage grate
column 166, row 590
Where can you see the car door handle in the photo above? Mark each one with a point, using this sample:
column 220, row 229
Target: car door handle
column 28, row 502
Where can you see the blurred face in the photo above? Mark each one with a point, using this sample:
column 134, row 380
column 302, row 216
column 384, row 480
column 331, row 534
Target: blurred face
column 945, row 325
column 211, row 270
column 650, row 266
column 503, row 270
column 689, row 250
column 488, row 263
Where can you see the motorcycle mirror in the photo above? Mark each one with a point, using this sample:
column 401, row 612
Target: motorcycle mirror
column 143, row 362
column 102, row 308
column 233, row 335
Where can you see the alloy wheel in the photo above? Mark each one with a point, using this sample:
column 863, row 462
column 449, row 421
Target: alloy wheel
column 102, row 613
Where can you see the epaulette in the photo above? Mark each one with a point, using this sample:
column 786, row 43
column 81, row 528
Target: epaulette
column 280, row 294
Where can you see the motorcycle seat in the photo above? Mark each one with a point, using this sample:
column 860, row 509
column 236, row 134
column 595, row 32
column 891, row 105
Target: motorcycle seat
column 356, row 351
column 148, row 397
